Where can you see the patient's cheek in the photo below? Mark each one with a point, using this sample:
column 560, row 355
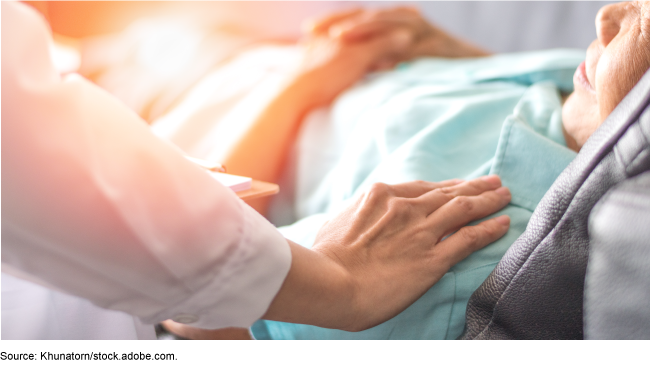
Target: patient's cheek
column 580, row 118
column 618, row 74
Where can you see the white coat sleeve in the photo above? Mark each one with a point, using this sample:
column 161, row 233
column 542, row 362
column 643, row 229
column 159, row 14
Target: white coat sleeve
column 94, row 205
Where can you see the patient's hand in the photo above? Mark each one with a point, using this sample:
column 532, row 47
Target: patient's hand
column 424, row 38
column 330, row 66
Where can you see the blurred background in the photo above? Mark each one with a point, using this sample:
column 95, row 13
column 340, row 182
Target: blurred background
column 150, row 54
column 157, row 55
column 499, row 26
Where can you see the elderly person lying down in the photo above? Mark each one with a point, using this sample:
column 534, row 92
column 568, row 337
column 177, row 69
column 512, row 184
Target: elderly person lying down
column 452, row 112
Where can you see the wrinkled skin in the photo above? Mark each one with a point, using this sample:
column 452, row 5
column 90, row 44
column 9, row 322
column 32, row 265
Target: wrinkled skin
column 615, row 62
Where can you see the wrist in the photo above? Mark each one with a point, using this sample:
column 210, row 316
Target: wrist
column 303, row 90
column 317, row 291
column 344, row 308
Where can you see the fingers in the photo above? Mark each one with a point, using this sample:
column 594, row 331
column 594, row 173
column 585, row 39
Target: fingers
column 322, row 25
column 356, row 31
column 449, row 204
column 392, row 45
column 464, row 209
column 358, row 21
column 381, row 195
column 414, row 189
column 430, row 201
column 353, row 32
column 370, row 24
column 474, row 187
column 428, row 193
column 469, row 239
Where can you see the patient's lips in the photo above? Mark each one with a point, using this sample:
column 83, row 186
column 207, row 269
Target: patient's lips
column 580, row 78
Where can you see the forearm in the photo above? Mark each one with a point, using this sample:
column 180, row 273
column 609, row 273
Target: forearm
column 316, row 291
column 328, row 67
column 262, row 150
column 113, row 214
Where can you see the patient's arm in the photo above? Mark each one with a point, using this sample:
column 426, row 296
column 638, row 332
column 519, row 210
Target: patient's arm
column 329, row 66
column 366, row 40
column 425, row 39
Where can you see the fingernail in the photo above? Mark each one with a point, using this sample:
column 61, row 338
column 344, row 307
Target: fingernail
column 504, row 220
column 456, row 181
column 492, row 179
column 503, row 191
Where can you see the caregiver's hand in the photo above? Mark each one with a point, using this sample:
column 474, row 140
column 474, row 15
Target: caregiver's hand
column 425, row 39
column 386, row 250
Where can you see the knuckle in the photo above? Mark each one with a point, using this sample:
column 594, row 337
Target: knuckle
column 602, row 14
column 444, row 195
column 493, row 200
column 429, row 185
column 378, row 192
column 490, row 230
column 399, row 206
column 421, row 182
column 379, row 188
column 422, row 185
column 463, row 203
column 479, row 184
column 447, row 190
column 470, row 236
column 423, row 235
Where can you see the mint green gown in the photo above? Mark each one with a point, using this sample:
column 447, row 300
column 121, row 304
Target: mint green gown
column 437, row 119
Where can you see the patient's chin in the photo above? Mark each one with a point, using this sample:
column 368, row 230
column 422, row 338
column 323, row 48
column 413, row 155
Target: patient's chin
column 580, row 119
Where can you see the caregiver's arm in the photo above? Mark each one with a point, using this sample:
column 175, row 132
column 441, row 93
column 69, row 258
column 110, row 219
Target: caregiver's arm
column 96, row 206
column 385, row 251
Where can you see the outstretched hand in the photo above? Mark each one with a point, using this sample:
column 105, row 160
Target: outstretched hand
column 424, row 39
column 384, row 251
column 329, row 65
column 338, row 50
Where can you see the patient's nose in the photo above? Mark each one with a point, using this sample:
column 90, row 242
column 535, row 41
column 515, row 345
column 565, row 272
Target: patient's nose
column 608, row 22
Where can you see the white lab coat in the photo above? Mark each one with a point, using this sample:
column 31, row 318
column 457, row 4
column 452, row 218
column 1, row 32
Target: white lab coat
column 31, row 311
column 96, row 206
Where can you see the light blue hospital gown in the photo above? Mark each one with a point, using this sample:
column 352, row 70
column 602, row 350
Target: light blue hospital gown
column 437, row 119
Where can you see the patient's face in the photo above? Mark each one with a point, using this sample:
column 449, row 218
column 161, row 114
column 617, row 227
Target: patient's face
column 615, row 62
